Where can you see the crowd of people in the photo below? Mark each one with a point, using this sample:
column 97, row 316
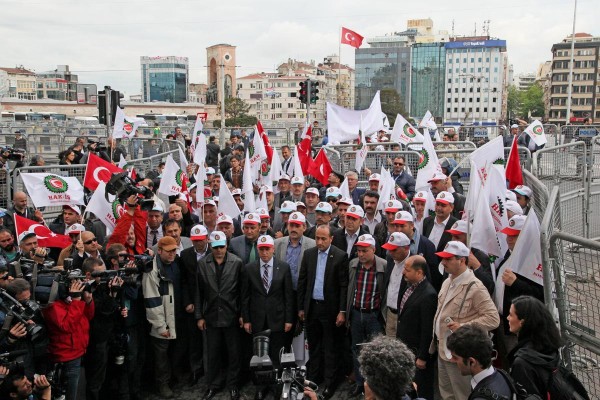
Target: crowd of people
column 195, row 286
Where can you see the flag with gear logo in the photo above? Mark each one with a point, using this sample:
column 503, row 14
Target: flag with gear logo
column 47, row 190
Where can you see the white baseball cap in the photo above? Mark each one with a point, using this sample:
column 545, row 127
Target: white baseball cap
column 297, row 181
column 397, row 239
column 454, row 248
column 288, row 207
column 75, row 228
column 355, row 211
column 264, row 214
column 252, row 218
column 514, row 126
column 217, row 238
column 73, row 207
column 324, row 207
column 510, row 195
column 198, row 232
column 374, row 177
column 366, row 240
column 437, row 176
column 209, row 202
column 445, row 197
column 420, row 196
column 265, row 241
column 514, row 207
column 403, row 217
column 267, row 188
column 236, row 192
column 157, row 207
column 284, row 177
column 523, row 190
column 345, row 200
column 300, row 204
column 312, row 190
column 392, row 206
column 515, row 225
column 224, row 219
column 333, row 192
column 210, row 171
column 24, row 235
column 297, row 218
column 458, row 228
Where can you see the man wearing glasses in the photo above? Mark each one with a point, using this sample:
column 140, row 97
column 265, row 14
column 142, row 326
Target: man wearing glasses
column 402, row 178
column 87, row 246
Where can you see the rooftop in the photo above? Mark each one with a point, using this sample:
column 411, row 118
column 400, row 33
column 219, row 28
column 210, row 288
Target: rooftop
column 19, row 71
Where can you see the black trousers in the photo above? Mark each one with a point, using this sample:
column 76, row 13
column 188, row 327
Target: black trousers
column 321, row 335
column 169, row 358
column 223, row 341
column 96, row 360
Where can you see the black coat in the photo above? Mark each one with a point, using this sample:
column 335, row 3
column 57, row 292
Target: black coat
column 446, row 237
column 272, row 309
column 335, row 285
column 496, row 383
column 219, row 301
column 415, row 322
column 531, row 369
column 189, row 270
column 339, row 240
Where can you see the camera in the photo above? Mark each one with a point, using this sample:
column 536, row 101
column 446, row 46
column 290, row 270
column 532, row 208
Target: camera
column 94, row 146
column 23, row 312
column 291, row 377
column 122, row 186
column 53, row 283
column 23, row 267
column 12, row 360
column 13, row 154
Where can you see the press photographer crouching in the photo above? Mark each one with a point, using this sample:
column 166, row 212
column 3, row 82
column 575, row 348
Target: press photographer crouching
column 16, row 386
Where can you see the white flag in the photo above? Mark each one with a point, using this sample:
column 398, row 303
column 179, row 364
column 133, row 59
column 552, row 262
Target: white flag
column 483, row 234
column 345, row 190
column 525, row 259
column 428, row 122
column 361, row 155
column 182, row 159
column 200, row 177
column 47, row 190
column 257, row 155
column 247, row 187
column 122, row 161
column 227, row 204
column 536, row 131
column 261, row 201
column 275, row 171
column 428, row 164
column 297, row 166
column 199, row 155
column 106, row 211
column 404, row 132
column 386, row 188
column 343, row 124
column 496, row 189
column 198, row 126
column 125, row 126
column 171, row 182
column 482, row 160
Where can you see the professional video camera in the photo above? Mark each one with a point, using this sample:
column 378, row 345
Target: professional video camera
column 12, row 360
column 23, row 312
column 122, row 186
column 53, row 283
column 289, row 375
column 96, row 145
column 13, row 154
column 24, row 267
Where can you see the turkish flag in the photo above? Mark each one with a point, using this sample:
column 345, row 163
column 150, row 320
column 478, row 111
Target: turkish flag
column 98, row 170
column 305, row 150
column 514, row 173
column 265, row 139
column 320, row 168
column 352, row 38
column 46, row 238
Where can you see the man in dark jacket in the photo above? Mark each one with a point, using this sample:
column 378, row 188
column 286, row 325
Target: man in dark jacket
column 344, row 239
column 471, row 349
column 217, row 309
column 212, row 153
column 403, row 179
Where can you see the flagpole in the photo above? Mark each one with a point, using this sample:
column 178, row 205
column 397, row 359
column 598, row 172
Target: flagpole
column 339, row 67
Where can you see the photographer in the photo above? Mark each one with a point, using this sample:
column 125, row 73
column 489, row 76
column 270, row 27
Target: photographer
column 28, row 249
column 102, row 327
column 96, row 148
column 131, row 228
column 8, row 248
column 74, row 232
column 68, row 322
column 16, row 386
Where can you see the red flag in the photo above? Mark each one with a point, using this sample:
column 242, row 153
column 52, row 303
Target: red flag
column 305, row 150
column 352, row 38
column 320, row 168
column 265, row 139
column 98, row 171
column 514, row 173
column 46, row 238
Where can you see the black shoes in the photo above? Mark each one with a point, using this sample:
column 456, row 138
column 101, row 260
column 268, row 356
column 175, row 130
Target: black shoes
column 235, row 394
column 261, row 394
column 357, row 391
column 209, row 394
column 195, row 377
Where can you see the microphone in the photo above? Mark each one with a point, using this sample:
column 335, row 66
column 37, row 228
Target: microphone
column 310, row 385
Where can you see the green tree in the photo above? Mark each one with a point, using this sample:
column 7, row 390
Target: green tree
column 234, row 107
column 513, row 101
column 391, row 105
column 532, row 101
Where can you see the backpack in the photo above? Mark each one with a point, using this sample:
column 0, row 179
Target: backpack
column 564, row 385
column 517, row 393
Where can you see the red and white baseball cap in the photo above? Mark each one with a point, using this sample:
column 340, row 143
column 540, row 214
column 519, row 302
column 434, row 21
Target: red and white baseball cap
column 345, row 200
column 264, row 214
column 458, row 228
column 224, row 219
column 437, row 176
column 288, row 207
column 312, row 190
column 445, row 197
column 375, row 177
column 397, row 239
column 523, row 190
column 420, row 196
column 392, row 206
column 454, row 248
column 198, row 232
column 75, row 229
column 236, row 192
column 515, row 225
column 265, row 241
column 297, row 218
column 355, row 211
column 403, row 217
column 366, row 240
column 252, row 218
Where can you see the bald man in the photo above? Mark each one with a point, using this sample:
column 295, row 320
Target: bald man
column 19, row 207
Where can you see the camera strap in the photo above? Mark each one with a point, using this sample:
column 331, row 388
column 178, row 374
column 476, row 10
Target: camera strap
column 53, row 292
column 18, row 271
column 34, row 276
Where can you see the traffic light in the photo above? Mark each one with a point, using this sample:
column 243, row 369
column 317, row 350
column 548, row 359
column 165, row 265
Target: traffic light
column 102, row 107
column 314, row 85
column 115, row 100
column 303, row 92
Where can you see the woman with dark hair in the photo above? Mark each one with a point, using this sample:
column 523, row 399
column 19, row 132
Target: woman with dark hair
column 67, row 157
column 536, row 354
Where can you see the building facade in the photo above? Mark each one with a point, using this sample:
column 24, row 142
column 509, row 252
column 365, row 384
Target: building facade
column 165, row 79
column 59, row 84
column 18, row 83
column 427, row 80
column 543, row 77
column 525, row 80
column 476, row 80
column 220, row 64
column 585, row 99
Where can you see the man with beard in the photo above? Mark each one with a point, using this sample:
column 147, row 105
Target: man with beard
column 372, row 217
column 8, row 250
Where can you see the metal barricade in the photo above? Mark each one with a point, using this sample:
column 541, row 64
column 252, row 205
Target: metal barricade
column 5, row 194
column 593, row 189
column 553, row 135
column 574, row 133
column 375, row 160
column 565, row 166
column 45, row 144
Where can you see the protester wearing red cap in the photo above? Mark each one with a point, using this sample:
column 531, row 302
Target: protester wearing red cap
column 245, row 246
column 441, row 183
column 462, row 299
column 398, row 248
column 344, row 239
column 419, row 202
column 385, row 227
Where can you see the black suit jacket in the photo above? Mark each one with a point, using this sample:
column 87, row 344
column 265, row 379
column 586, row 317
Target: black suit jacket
column 189, row 272
column 272, row 309
column 446, row 237
column 339, row 240
column 415, row 322
column 335, row 286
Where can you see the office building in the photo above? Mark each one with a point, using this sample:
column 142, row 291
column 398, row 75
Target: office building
column 165, row 79
column 427, row 82
column 18, row 83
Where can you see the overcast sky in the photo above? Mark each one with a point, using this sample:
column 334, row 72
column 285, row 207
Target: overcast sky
column 102, row 40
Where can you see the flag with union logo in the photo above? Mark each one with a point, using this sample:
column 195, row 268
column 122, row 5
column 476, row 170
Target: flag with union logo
column 47, row 190
column 536, row 131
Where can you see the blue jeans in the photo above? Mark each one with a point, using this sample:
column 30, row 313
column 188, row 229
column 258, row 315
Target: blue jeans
column 363, row 327
column 71, row 371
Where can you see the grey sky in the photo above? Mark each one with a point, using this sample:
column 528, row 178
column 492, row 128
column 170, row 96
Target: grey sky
column 103, row 40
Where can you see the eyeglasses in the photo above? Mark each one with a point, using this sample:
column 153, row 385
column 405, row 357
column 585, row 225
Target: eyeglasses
column 332, row 200
column 400, row 164
column 4, row 277
column 90, row 241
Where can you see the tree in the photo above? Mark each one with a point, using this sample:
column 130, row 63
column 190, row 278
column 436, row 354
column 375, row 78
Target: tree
column 513, row 101
column 391, row 105
column 532, row 102
column 234, row 107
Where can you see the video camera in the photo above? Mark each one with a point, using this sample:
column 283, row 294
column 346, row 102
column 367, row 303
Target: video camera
column 53, row 283
column 143, row 263
column 289, row 375
column 24, row 267
column 122, row 186
column 23, row 312
column 12, row 360
column 12, row 154
column 94, row 145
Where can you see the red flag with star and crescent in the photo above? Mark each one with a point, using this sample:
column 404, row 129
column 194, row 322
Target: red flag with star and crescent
column 305, row 149
column 46, row 238
column 98, row 170
column 265, row 139
column 352, row 38
column 320, row 168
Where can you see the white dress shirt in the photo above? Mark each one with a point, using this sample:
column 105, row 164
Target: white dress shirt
column 437, row 231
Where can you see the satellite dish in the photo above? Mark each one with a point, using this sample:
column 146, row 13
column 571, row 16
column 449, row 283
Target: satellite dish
column 226, row 57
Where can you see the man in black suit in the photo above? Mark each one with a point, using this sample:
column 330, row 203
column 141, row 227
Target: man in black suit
column 344, row 239
column 417, row 304
column 245, row 246
column 440, row 183
column 322, row 289
column 435, row 227
column 189, row 259
column 218, row 314
column 267, row 299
